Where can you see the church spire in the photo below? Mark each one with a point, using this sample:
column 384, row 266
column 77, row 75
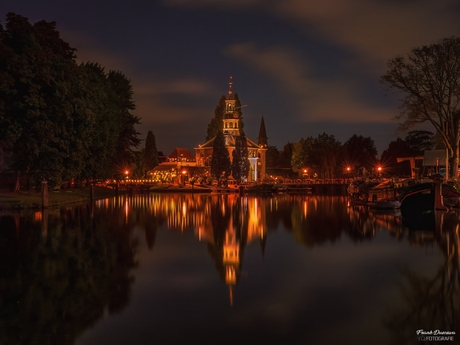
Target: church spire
column 263, row 140
column 230, row 91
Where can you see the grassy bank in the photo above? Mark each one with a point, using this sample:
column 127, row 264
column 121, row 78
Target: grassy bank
column 24, row 200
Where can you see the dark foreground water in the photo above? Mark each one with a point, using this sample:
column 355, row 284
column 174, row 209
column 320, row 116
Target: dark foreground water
column 205, row 269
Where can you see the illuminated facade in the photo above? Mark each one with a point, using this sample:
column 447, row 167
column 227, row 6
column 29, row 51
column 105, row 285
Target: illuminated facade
column 231, row 127
column 177, row 164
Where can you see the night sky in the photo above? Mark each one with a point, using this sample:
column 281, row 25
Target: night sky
column 308, row 67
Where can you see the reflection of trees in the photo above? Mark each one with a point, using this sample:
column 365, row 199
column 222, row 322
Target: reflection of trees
column 365, row 223
column 313, row 220
column 431, row 303
column 60, row 282
column 317, row 220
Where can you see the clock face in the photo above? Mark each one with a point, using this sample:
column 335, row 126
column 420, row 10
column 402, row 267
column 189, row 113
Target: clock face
column 235, row 114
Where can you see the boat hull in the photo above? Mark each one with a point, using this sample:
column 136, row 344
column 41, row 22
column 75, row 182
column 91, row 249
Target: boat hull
column 422, row 199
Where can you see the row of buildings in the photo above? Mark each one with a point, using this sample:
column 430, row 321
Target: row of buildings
column 182, row 161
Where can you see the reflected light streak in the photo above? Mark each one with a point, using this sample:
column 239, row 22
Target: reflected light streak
column 184, row 209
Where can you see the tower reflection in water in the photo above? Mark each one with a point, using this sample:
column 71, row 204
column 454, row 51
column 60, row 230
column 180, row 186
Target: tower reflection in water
column 228, row 223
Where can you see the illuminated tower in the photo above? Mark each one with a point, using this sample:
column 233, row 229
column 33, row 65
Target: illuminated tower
column 231, row 116
column 231, row 129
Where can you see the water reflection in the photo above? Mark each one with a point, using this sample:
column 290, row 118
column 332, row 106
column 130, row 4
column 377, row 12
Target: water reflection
column 62, row 270
column 430, row 302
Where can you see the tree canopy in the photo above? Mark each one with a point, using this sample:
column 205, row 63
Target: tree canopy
column 420, row 141
column 321, row 155
column 326, row 157
column 360, row 152
column 429, row 80
column 220, row 161
column 60, row 119
column 150, row 160
column 398, row 148
column 240, row 163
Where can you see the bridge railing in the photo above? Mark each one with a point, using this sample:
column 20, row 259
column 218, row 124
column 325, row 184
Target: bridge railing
column 320, row 181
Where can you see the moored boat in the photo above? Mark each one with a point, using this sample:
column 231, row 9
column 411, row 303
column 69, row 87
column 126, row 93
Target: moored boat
column 424, row 198
column 374, row 194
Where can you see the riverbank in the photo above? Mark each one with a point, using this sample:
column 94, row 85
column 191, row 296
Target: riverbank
column 27, row 200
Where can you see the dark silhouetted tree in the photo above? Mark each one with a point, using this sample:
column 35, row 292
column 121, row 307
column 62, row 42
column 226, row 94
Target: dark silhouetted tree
column 37, row 69
column 397, row 149
column 150, row 153
column 220, row 162
column 360, row 152
column 273, row 157
column 300, row 154
column 60, row 120
column 429, row 80
column 286, row 155
column 240, row 161
column 326, row 156
column 420, row 141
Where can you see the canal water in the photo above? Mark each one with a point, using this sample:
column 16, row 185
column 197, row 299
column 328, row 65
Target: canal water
column 225, row 269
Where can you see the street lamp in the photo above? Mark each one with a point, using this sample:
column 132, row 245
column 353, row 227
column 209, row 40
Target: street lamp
column 184, row 172
column 379, row 171
column 126, row 173
column 305, row 173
